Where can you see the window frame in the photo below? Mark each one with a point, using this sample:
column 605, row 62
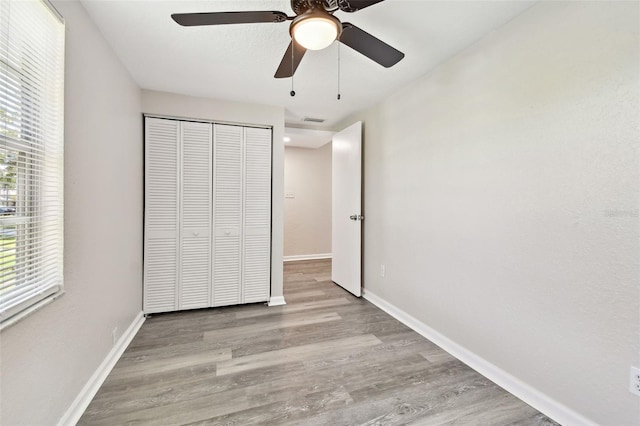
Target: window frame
column 37, row 153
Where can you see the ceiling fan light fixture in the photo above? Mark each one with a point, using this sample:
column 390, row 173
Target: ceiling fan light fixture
column 315, row 30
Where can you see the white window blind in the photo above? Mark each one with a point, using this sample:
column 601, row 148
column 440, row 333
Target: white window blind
column 31, row 156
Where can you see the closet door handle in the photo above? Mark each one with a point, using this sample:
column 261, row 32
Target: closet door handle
column 195, row 234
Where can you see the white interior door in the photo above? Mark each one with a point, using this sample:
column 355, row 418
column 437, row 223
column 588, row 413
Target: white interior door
column 161, row 225
column 227, row 214
column 195, row 218
column 256, row 235
column 346, row 233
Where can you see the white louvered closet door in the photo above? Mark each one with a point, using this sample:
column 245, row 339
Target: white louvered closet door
column 195, row 237
column 257, row 215
column 227, row 182
column 161, row 215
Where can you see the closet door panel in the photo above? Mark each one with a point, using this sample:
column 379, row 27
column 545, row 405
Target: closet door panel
column 195, row 235
column 161, row 215
column 227, row 181
column 257, row 215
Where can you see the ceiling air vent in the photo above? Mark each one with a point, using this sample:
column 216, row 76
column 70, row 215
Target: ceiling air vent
column 313, row 120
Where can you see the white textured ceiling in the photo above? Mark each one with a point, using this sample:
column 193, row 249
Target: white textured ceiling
column 237, row 62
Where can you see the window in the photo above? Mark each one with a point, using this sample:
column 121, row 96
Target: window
column 31, row 156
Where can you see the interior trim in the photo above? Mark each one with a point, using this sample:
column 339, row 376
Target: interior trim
column 80, row 404
column 276, row 301
column 205, row 120
column 527, row 393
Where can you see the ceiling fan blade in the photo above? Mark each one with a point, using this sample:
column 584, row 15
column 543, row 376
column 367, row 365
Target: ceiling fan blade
column 221, row 18
column 371, row 47
column 289, row 65
column 355, row 5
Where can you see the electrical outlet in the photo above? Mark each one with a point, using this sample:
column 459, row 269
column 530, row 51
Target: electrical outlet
column 114, row 335
column 383, row 271
column 634, row 380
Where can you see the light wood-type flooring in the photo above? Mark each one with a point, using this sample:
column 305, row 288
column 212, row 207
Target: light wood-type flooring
column 326, row 358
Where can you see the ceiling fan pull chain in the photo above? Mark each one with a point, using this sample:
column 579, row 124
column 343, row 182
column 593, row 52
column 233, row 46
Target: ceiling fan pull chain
column 293, row 49
column 338, row 69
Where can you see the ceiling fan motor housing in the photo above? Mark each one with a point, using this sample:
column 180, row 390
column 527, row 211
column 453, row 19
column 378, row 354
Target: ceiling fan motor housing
column 301, row 6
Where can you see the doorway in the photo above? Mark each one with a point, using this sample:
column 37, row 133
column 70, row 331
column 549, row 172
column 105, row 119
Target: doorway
column 323, row 219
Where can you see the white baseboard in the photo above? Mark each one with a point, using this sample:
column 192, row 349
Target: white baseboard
column 90, row 389
column 276, row 301
column 538, row 400
column 307, row 257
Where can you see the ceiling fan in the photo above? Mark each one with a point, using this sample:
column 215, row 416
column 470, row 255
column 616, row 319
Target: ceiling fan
column 313, row 28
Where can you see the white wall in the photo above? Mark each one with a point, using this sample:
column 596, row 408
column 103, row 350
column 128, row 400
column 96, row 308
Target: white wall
column 501, row 193
column 307, row 216
column 175, row 105
column 48, row 357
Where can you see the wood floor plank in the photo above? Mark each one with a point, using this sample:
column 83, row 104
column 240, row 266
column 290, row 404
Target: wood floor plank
column 134, row 354
column 179, row 413
column 293, row 411
column 304, row 294
column 311, row 333
column 287, row 309
column 266, row 326
column 322, row 277
column 325, row 358
column 154, row 367
column 115, row 399
column 297, row 353
column 437, row 355
column 412, row 401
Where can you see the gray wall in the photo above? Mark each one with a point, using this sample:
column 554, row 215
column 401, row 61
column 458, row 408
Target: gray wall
column 307, row 216
column 48, row 357
column 501, row 193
